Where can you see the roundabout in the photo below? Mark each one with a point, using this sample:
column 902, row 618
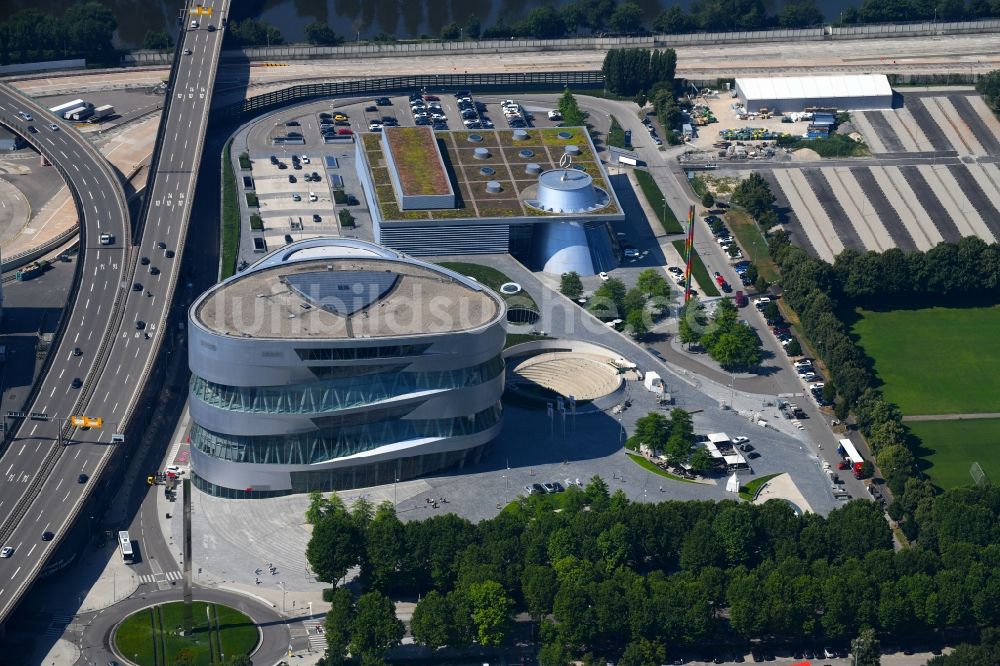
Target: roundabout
column 155, row 635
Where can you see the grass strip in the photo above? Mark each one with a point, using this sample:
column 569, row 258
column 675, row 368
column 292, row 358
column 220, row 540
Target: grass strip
column 753, row 242
column 698, row 270
column 245, row 161
column 748, row 491
column 658, row 202
column 230, row 216
column 649, row 466
column 518, row 338
column 616, row 135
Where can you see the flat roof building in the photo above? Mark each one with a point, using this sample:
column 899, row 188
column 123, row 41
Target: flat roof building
column 847, row 92
column 335, row 363
column 539, row 194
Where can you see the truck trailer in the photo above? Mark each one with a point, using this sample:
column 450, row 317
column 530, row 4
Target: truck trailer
column 68, row 106
column 79, row 113
column 101, row 112
column 846, row 449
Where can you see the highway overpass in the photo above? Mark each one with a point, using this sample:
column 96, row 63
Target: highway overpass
column 121, row 302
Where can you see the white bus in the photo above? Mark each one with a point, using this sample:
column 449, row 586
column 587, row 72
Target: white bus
column 125, row 545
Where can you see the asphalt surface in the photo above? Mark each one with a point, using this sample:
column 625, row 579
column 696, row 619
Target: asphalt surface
column 110, row 390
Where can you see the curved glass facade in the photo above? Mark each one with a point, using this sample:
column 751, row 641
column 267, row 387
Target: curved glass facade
column 353, row 434
column 329, row 395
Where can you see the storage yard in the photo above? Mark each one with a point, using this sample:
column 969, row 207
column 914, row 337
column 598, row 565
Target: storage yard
column 933, row 176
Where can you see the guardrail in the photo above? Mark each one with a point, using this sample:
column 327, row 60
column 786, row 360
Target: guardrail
column 488, row 81
column 417, row 48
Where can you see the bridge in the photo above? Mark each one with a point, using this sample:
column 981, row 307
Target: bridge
column 114, row 326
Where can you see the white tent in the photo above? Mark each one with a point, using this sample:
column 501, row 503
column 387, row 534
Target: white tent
column 733, row 484
column 852, row 92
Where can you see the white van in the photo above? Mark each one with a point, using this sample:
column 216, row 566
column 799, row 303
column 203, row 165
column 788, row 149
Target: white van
column 313, row 197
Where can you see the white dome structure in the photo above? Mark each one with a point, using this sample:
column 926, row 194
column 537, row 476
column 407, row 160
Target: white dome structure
column 568, row 191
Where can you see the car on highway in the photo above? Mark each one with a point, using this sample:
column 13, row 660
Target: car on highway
column 210, row 28
column 7, row 551
column 161, row 245
column 153, row 270
column 383, row 101
column 169, row 254
column 139, row 324
column 187, row 51
column 32, row 130
column 47, row 536
column 82, row 478
column 26, row 116
column 136, row 286
column 107, row 239
column 144, row 261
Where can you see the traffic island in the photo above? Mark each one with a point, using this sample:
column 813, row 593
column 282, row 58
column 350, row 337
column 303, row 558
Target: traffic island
column 155, row 635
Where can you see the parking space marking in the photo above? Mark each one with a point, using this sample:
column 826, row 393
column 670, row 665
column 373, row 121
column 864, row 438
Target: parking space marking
column 909, row 132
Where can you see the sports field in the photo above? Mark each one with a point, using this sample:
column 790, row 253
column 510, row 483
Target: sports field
column 936, row 361
column 952, row 446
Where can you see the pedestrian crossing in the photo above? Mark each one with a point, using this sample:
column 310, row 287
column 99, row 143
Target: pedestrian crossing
column 57, row 625
column 317, row 639
column 161, row 577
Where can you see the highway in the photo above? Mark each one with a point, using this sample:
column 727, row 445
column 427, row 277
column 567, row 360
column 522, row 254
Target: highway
column 132, row 340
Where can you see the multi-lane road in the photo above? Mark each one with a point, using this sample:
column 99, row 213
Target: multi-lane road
column 41, row 489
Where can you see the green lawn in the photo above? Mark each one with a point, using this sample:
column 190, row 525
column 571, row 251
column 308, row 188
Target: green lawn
column 753, row 243
column 748, row 491
column 492, row 278
column 150, row 636
column 698, row 271
column 950, row 448
column 616, row 135
column 935, row 361
column 654, row 196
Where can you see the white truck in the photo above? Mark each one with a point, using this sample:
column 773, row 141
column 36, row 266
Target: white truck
column 79, row 113
column 101, row 112
column 68, row 106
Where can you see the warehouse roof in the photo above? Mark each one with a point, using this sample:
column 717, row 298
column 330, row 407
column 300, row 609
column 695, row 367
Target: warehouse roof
column 824, row 87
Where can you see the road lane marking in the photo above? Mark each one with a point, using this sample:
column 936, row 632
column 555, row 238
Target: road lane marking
column 15, row 573
column 22, row 449
column 32, row 549
column 58, row 484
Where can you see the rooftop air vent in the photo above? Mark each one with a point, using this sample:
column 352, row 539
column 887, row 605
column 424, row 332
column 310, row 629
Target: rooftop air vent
column 493, row 187
column 481, row 154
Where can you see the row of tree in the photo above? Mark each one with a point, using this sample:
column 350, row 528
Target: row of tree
column 83, row 29
column 754, row 195
column 629, row 72
column 988, row 85
column 731, row 343
column 632, row 581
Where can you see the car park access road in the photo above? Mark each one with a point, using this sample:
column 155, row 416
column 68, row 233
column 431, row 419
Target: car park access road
column 110, row 391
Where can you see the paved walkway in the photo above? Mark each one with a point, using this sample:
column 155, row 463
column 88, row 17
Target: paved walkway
column 952, row 417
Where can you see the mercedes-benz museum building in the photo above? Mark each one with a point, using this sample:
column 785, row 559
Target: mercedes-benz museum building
column 335, row 363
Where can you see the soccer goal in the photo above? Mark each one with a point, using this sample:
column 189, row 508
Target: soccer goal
column 978, row 475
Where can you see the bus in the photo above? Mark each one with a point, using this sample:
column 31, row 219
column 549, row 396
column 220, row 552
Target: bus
column 125, row 545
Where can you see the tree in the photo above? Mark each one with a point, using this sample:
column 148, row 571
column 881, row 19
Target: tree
column 542, row 23
column 375, row 628
column 608, row 302
column 988, row 85
column 571, row 113
column 157, row 40
column 451, row 32
column 383, row 549
column 432, row 621
column 794, row 348
column 800, row 14
column 473, row 27
column 772, row 312
column 673, row 21
column 652, row 283
column 337, row 626
column 253, row 32
column 865, row 649
column 708, row 200
column 571, row 286
column 692, row 322
column 653, row 429
column 334, row 547
column 635, row 323
column 319, row 33
column 701, row 460
column 626, row 18
column 538, row 587
column 492, row 612
column 643, row 653
column 89, row 27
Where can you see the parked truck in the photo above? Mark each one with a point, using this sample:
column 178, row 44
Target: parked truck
column 68, row 106
column 80, row 113
column 101, row 112
column 34, row 269
column 847, row 450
